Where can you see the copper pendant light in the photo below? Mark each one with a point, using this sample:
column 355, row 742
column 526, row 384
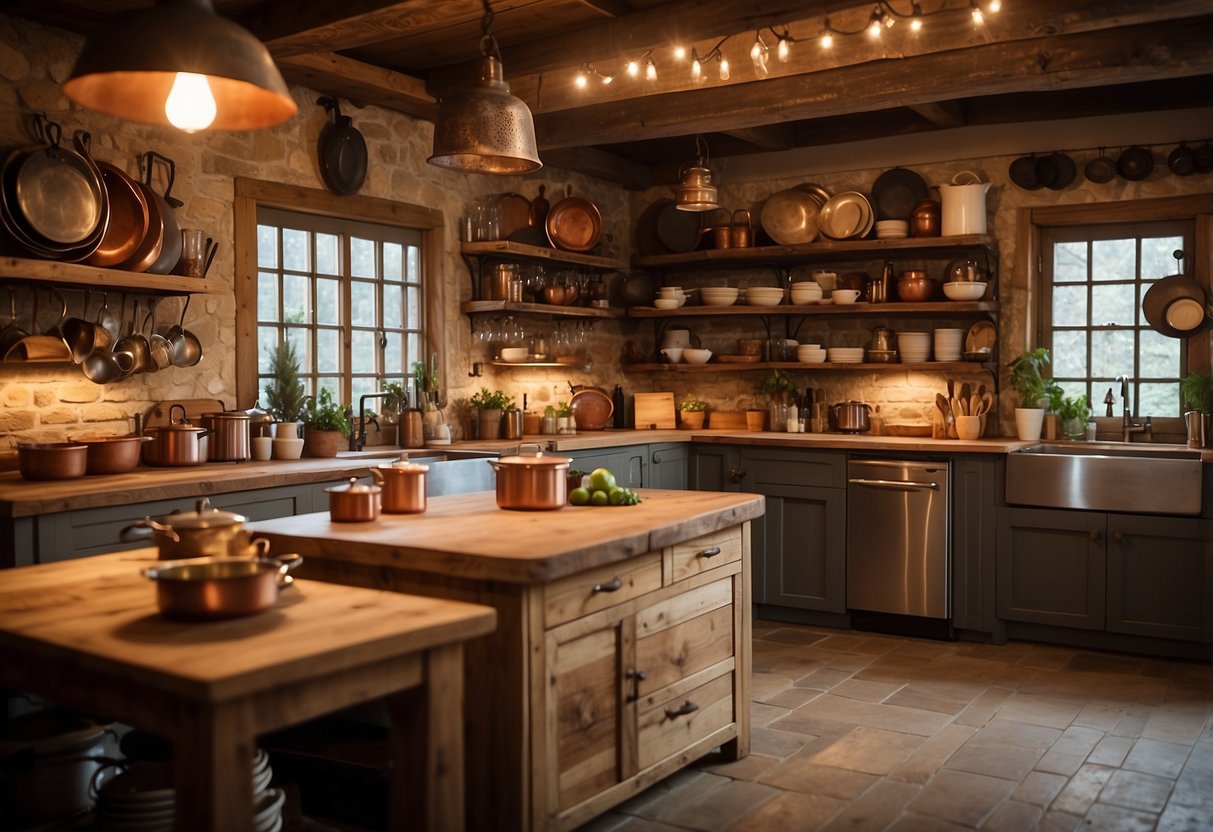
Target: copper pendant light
column 485, row 129
column 696, row 190
column 180, row 63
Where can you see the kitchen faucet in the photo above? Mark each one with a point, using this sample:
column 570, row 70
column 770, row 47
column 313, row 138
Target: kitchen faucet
column 358, row 437
column 1127, row 426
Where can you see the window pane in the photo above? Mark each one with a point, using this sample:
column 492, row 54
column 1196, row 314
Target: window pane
column 1111, row 353
column 414, row 308
column 1069, row 262
column 393, row 356
column 295, row 301
column 1070, row 354
column 414, row 264
column 267, row 247
column 333, row 385
column 1114, row 260
column 362, row 351
column 362, row 257
column 393, row 315
column 414, row 350
column 328, row 261
column 361, row 386
column 1070, row 305
column 267, row 339
column 328, row 303
column 362, row 304
column 303, row 348
column 267, row 296
column 393, row 262
column 1157, row 399
column 328, row 350
column 1159, row 355
column 295, row 254
column 1157, row 258
column 1114, row 304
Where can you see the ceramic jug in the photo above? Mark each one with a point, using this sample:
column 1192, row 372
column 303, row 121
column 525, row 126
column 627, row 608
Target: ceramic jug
column 963, row 208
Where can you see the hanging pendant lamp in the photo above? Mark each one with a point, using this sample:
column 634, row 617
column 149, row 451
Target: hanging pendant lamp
column 485, row 129
column 180, row 63
column 696, row 190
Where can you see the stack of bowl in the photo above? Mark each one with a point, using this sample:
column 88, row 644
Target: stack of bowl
column 845, row 355
column 810, row 353
column 719, row 295
column 892, row 229
column 964, row 290
column 948, row 344
column 670, row 297
column 806, row 292
column 914, row 347
column 764, row 296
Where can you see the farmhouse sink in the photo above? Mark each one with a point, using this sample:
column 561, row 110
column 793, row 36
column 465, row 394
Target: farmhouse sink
column 1109, row 476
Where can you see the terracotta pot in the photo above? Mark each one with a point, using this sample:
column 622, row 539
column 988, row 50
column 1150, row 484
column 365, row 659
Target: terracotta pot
column 488, row 423
column 322, row 443
column 692, row 419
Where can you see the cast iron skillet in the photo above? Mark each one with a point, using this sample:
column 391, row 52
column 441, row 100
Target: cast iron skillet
column 342, row 152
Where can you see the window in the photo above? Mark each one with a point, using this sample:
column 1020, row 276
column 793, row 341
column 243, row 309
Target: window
column 353, row 281
column 1096, row 277
column 319, row 278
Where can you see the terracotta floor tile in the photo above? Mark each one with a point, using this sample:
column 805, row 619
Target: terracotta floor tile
column 1137, row 790
column 1045, row 657
column 626, row 823
column 761, row 714
column 1017, row 733
column 803, row 775
column 1009, row 762
column 823, row 678
column 932, row 754
column 1077, row 740
column 1013, row 816
column 765, row 685
column 1105, row 663
column 1040, row 787
column 1134, row 721
column 1054, row 821
column 984, row 707
column 876, row 808
column 865, row 691
column 1107, row 818
column 792, row 698
column 1176, row 818
column 679, row 787
column 1100, row 717
column 1165, row 759
column 1038, row 710
column 869, row 750
column 788, row 635
column 710, row 806
column 1180, row 722
column 750, row 767
column 961, row 797
column 1192, row 789
column 775, row 743
column 1111, row 751
column 1059, row 762
column 790, row 810
column 1080, row 793
column 853, row 712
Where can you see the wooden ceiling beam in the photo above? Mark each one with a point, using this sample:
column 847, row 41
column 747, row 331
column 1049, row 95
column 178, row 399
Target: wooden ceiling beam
column 344, row 77
column 1172, row 49
column 766, row 138
column 594, row 162
column 941, row 113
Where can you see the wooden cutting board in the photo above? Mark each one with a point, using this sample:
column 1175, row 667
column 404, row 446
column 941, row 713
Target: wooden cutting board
column 655, row 410
column 726, row 419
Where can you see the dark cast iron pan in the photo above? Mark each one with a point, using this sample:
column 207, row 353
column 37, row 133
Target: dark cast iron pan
column 342, row 152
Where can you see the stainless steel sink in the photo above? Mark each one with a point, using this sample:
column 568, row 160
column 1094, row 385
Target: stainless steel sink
column 1108, row 476
column 428, row 455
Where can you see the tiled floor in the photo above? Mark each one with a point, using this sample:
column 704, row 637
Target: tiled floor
column 856, row 731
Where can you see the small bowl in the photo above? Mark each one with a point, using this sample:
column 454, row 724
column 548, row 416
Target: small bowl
column 672, row 354
column 52, row 460
column 844, row 297
column 514, row 355
column 286, row 448
column 965, row 290
column 696, row 356
column 669, row 303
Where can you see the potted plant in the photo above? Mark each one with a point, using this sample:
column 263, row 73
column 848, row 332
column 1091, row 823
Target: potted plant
column 325, row 424
column 1032, row 389
column 780, row 386
column 394, row 402
column 564, row 417
column 1071, row 410
column 489, row 404
column 1196, row 390
column 284, row 392
column 691, row 413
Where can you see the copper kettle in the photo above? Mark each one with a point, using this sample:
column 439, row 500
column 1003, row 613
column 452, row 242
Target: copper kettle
column 883, row 339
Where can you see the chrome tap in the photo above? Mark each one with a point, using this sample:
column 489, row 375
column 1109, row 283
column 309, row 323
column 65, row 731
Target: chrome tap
column 1127, row 426
column 358, row 436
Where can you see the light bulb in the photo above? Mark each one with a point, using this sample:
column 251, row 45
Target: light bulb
column 783, row 50
column 650, row 70
column 607, row 79
column 581, row 80
column 680, row 53
column 889, row 21
column 759, row 54
column 978, row 17
column 696, row 70
column 916, row 18
column 724, row 68
column 874, row 28
column 995, row 6
column 633, row 69
column 827, row 40
column 190, row 106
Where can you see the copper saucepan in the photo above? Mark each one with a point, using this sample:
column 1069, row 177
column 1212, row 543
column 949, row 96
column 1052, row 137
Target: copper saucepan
column 217, row 588
column 354, row 503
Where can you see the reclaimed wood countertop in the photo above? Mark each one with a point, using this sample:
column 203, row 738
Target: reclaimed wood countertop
column 469, row 536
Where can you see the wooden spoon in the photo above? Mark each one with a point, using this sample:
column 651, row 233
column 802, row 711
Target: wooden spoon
column 964, row 395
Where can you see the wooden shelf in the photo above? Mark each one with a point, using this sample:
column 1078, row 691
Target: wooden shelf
column 818, row 252
column 521, row 251
column 895, row 308
column 75, row 274
column 480, row 307
column 711, row 367
column 580, row 365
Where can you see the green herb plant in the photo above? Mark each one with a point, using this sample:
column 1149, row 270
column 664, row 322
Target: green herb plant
column 486, row 399
column 692, row 405
column 777, row 382
column 1196, row 390
column 284, row 392
column 322, row 413
column 1028, row 377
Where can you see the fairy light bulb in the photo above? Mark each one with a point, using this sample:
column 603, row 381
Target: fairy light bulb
column 995, row 6
column 190, row 106
column 581, row 80
column 759, row 55
column 607, row 79
column 783, row 50
column 916, row 18
column 696, row 69
column 650, row 70
column 827, row 40
column 978, row 17
column 680, row 53
column 874, row 23
column 633, row 69
column 724, row 68
column 889, row 21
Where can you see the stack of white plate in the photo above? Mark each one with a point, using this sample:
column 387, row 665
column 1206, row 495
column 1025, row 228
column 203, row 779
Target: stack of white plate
column 948, row 343
column 810, row 353
column 845, row 355
column 806, row 292
column 719, row 295
column 914, row 347
column 764, row 295
column 892, row 229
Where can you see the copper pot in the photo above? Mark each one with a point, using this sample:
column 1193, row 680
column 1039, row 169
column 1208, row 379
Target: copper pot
column 531, row 480
column 206, row 532
column 230, row 436
column 403, row 487
column 213, row 588
column 113, row 454
column 914, row 286
column 176, row 444
column 354, row 503
column 52, row 460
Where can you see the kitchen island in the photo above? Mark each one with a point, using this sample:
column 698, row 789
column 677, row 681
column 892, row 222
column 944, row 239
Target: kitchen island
column 622, row 647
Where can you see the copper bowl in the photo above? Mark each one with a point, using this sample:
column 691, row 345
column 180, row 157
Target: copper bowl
column 113, row 454
column 52, row 460
column 914, row 286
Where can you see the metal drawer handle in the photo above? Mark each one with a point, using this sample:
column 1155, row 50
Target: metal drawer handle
column 710, row 553
column 657, row 458
column 685, row 708
column 896, row 485
column 1094, row 536
column 639, row 676
column 613, row 585
column 1118, row 537
column 736, row 474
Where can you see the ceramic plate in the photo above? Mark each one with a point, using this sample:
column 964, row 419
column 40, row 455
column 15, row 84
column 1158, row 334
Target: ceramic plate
column 981, row 334
column 847, row 215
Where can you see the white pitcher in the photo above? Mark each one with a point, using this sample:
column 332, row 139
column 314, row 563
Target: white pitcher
column 963, row 205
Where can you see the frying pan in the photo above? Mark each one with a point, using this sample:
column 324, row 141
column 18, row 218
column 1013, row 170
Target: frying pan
column 574, row 224
column 678, row 230
column 129, row 218
column 1101, row 169
column 170, row 250
column 341, row 150
column 645, row 237
column 1023, row 173
column 1176, row 306
column 1135, row 163
column 149, row 248
column 58, row 193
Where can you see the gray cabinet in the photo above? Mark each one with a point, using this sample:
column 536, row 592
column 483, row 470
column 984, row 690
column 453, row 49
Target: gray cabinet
column 713, row 468
column 975, row 489
column 667, row 465
column 1131, row 574
column 660, row 465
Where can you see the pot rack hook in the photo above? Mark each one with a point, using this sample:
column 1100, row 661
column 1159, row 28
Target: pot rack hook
column 701, row 149
column 330, row 105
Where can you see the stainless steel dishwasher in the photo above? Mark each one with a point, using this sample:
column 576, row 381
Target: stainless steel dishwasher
column 898, row 548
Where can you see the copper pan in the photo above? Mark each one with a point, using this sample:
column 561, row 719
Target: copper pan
column 170, row 252
column 149, row 248
column 129, row 222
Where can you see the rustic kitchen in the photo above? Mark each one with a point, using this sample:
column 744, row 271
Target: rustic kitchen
column 606, row 415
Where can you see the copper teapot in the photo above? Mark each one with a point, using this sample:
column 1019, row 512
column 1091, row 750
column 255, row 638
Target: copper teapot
column 883, row 339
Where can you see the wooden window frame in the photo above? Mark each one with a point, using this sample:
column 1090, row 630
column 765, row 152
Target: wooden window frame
column 252, row 193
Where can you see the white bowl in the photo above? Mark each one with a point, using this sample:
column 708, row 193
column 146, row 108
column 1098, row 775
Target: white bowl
column 668, row 303
column 696, row 356
column 288, row 448
column 514, row 355
column 669, row 291
column 672, row 354
column 718, row 300
column 844, row 297
column 964, row 290
column 729, row 292
column 763, row 300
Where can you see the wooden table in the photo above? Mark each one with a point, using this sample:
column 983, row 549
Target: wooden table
column 87, row 634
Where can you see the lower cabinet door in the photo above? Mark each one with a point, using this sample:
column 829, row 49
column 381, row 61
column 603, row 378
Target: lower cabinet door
column 802, row 542
column 1051, row 567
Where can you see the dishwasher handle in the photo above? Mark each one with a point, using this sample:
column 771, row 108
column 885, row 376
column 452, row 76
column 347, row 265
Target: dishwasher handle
column 895, row 485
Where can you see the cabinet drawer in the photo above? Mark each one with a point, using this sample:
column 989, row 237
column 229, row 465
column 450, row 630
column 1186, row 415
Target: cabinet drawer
column 705, row 552
column 686, row 648
column 683, row 720
column 597, row 589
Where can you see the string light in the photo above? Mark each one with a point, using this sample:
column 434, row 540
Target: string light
column 874, row 23
column 978, row 17
column 915, row 17
column 724, row 68
column 650, row 70
column 696, row 69
column 995, row 6
column 827, row 35
column 784, row 49
column 760, row 54
column 680, row 53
